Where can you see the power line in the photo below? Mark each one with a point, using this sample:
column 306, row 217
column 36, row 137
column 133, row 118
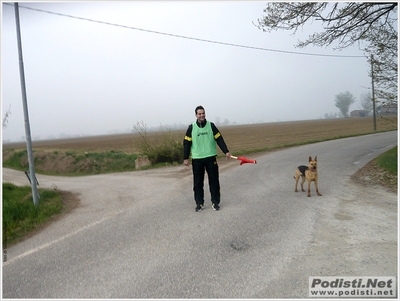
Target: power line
column 189, row 38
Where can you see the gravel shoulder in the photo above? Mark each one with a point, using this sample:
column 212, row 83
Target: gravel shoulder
column 371, row 175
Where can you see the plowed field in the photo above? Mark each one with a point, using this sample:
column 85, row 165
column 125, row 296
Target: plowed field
column 239, row 138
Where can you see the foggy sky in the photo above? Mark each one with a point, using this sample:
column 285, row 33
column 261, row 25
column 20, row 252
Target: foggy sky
column 87, row 78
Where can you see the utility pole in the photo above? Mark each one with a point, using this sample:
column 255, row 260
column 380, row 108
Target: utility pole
column 35, row 193
column 373, row 90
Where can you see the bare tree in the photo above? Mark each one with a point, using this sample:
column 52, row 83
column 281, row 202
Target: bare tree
column 346, row 23
column 5, row 118
column 366, row 101
column 372, row 25
column 384, row 48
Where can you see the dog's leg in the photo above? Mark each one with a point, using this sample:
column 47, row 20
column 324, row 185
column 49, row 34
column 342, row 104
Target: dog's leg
column 316, row 188
column 303, row 179
column 296, row 176
column 309, row 188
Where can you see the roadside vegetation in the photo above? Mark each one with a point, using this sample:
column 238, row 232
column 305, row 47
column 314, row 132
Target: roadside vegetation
column 71, row 163
column 161, row 149
column 21, row 216
column 388, row 161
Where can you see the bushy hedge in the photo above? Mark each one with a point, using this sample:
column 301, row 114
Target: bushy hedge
column 168, row 149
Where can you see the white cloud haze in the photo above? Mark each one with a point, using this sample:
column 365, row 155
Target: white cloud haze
column 90, row 78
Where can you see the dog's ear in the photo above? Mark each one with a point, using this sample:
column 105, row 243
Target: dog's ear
column 315, row 158
column 309, row 159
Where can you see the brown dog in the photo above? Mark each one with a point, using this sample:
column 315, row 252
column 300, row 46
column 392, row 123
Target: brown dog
column 310, row 173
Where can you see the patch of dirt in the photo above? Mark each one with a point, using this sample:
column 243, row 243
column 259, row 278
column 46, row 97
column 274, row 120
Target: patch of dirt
column 372, row 175
column 70, row 202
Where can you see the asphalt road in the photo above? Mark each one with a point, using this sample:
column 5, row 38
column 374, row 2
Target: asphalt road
column 136, row 235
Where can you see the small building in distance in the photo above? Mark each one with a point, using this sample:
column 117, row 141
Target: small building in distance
column 387, row 109
column 359, row 113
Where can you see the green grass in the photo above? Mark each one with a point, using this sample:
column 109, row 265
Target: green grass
column 15, row 160
column 105, row 162
column 86, row 163
column 20, row 215
column 388, row 161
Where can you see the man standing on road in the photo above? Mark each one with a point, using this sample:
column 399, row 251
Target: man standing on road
column 201, row 140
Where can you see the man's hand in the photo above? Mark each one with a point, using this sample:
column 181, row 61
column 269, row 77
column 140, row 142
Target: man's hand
column 186, row 162
column 228, row 155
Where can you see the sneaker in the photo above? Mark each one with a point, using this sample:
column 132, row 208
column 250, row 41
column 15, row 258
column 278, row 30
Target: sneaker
column 215, row 207
column 198, row 208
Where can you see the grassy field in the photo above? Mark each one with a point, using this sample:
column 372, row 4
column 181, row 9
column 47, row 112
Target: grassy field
column 114, row 153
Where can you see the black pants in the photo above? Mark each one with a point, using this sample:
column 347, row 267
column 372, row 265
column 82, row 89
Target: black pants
column 199, row 167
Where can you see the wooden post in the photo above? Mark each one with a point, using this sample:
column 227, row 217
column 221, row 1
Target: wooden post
column 373, row 90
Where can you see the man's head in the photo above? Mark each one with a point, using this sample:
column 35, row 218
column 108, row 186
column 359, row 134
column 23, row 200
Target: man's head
column 200, row 113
